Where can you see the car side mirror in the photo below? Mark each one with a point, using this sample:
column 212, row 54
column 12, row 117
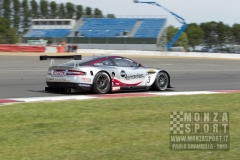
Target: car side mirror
column 139, row 65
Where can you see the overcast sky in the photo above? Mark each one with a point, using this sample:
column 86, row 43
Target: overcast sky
column 196, row 11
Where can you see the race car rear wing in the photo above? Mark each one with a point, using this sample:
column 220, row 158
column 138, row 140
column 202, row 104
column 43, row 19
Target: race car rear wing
column 52, row 58
column 74, row 57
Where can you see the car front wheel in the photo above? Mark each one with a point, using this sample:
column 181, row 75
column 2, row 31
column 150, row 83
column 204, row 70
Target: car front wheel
column 161, row 82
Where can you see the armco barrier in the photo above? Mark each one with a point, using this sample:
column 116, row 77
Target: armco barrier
column 32, row 48
column 9, row 48
column 29, row 48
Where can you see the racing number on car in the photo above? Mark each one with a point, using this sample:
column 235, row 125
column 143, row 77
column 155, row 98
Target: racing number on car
column 148, row 79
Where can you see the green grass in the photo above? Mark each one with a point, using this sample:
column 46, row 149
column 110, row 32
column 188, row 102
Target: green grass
column 114, row 129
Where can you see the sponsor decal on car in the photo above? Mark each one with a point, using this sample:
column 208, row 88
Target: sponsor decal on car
column 58, row 73
column 98, row 64
column 57, row 79
column 123, row 73
column 129, row 77
column 151, row 70
column 84, row 85
column 115, row 88
column 136, row 76
column 86, row 79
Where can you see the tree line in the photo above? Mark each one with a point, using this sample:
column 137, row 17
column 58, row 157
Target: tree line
column 209, row 35
column 20, row 12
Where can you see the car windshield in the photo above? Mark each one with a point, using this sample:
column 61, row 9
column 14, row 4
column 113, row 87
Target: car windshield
column 78, row 62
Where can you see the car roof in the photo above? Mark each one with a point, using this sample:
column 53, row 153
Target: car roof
column 89, row 60
column 106, row 56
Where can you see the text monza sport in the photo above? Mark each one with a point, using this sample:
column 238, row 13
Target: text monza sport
column 206, row 123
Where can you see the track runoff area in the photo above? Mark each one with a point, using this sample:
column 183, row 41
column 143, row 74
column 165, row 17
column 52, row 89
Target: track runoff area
column 23, row 78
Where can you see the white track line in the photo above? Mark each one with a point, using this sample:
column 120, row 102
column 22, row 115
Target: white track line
column 83, row 97
column 182, row 93
column 58, row 98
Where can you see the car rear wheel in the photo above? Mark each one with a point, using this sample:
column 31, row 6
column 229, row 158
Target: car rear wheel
column 101, row 83
column 161, row 82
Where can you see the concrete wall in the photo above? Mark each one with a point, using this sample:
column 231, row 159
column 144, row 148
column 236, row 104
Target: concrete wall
column 159, row 53
column 143, row 47
column 144, row 44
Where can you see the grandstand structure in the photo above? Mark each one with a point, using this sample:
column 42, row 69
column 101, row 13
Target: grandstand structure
column 103, row 33
column 50, row 28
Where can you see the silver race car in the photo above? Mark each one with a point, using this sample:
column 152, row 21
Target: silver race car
column 103, row 74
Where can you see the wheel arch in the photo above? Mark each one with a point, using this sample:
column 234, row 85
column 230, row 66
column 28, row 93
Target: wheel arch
column 105, row 72
column 169, row 78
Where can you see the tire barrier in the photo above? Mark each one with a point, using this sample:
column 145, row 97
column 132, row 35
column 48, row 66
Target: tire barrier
column 27, row 48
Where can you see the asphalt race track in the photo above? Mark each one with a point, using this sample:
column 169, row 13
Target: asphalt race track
column 24, row 76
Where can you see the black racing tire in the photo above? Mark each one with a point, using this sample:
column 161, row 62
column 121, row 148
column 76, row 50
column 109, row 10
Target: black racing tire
column 161, row 82
column 102, row 83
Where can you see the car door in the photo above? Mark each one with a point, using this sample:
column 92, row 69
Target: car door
column 129, row 73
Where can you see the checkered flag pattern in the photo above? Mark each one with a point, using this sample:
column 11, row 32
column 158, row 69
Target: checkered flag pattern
column 176, row 123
